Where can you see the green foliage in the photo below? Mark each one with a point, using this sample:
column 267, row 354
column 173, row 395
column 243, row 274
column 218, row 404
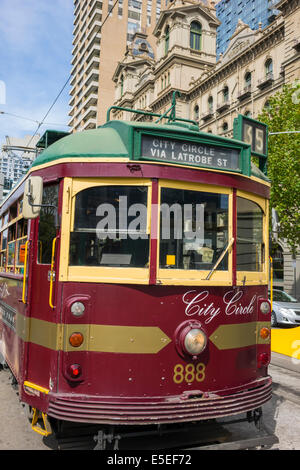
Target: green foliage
column 283, row 114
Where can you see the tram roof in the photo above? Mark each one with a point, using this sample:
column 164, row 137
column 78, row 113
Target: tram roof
column 115, row 139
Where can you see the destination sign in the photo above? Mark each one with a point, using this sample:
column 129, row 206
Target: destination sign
column 191, row 153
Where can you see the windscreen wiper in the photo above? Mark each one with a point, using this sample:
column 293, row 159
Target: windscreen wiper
column 229, row 245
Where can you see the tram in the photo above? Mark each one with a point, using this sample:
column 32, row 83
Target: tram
column 134, row 278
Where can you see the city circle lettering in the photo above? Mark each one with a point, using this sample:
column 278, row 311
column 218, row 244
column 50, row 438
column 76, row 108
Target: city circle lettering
column 199, row 304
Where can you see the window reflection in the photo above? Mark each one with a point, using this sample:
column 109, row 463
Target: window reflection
column 110, row 227
column 249, row 246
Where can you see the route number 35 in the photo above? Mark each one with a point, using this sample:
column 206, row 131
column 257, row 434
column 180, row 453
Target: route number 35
column 254, row 137
column 189, row 373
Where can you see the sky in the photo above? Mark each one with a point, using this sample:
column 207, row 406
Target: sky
column 35, row 63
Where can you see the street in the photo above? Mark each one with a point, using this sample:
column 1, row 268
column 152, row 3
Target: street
column 281, row 415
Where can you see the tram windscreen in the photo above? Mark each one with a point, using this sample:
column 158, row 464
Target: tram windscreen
column 110, row 227
column 193, row 229
column 249, row 244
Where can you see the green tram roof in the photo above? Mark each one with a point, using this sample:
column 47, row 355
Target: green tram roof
column 115, row 139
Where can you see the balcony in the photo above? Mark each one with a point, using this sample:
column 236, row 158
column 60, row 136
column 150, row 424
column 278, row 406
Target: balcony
column 296, row 45
column 245, row 93
column 266, row 81
column 223, row 106
column 206, row 115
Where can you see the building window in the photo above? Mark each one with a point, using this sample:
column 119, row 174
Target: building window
column 196, row 36
column 210, row 104
column 225, row 127
column 248, row 114
column 278, row 262
column 250, row 241
column 269, row 68
column 167, row 39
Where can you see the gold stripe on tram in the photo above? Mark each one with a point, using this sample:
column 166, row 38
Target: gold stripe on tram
column 130, row 339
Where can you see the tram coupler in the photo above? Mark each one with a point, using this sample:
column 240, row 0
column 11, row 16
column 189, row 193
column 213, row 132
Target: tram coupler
column 102, row 439
column 40, row 423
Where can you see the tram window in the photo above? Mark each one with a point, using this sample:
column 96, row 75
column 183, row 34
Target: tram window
column 249, row 246
column 193, row 229
column 4, row 250
column 47, row 224
column 110, row 227
column 5, row 218
column 11, row 254
column 4, row 239
column 13, row 211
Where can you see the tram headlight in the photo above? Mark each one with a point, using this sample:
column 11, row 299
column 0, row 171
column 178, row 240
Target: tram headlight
column 195, row 341
column 76, row 340
column 77, row 309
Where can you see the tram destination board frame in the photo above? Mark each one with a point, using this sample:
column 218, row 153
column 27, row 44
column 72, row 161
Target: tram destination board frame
column 213, row 152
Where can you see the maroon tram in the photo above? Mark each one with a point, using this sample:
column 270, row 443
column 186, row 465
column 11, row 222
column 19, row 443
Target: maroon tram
column 134, row 274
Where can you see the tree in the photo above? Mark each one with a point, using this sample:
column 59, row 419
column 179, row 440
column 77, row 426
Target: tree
column 282, row 114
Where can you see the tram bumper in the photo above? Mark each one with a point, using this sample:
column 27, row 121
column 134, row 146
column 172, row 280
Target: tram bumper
column 176, row 409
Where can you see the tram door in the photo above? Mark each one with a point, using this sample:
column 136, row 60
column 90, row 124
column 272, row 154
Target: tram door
column 42, row 345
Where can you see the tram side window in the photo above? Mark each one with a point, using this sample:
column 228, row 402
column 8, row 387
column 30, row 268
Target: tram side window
column 13, row 241
column 193, row 229
column 110, row 227
column 249, row 246
column 47, row 223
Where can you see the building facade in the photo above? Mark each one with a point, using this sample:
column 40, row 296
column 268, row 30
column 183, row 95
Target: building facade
column 256, row 64
column 143, row 51
column 15, row 159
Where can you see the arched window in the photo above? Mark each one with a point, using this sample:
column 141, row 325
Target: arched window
column 196, row 36
column 269, row 68
column 248, row 80
column 210, row 102
column 167, row 39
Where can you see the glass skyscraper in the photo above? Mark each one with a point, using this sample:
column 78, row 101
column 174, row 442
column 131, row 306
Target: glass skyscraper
column 251, row 12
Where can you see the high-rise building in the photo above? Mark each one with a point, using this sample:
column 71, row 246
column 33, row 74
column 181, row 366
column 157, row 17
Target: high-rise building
column 255, row 13
column 102, row 30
